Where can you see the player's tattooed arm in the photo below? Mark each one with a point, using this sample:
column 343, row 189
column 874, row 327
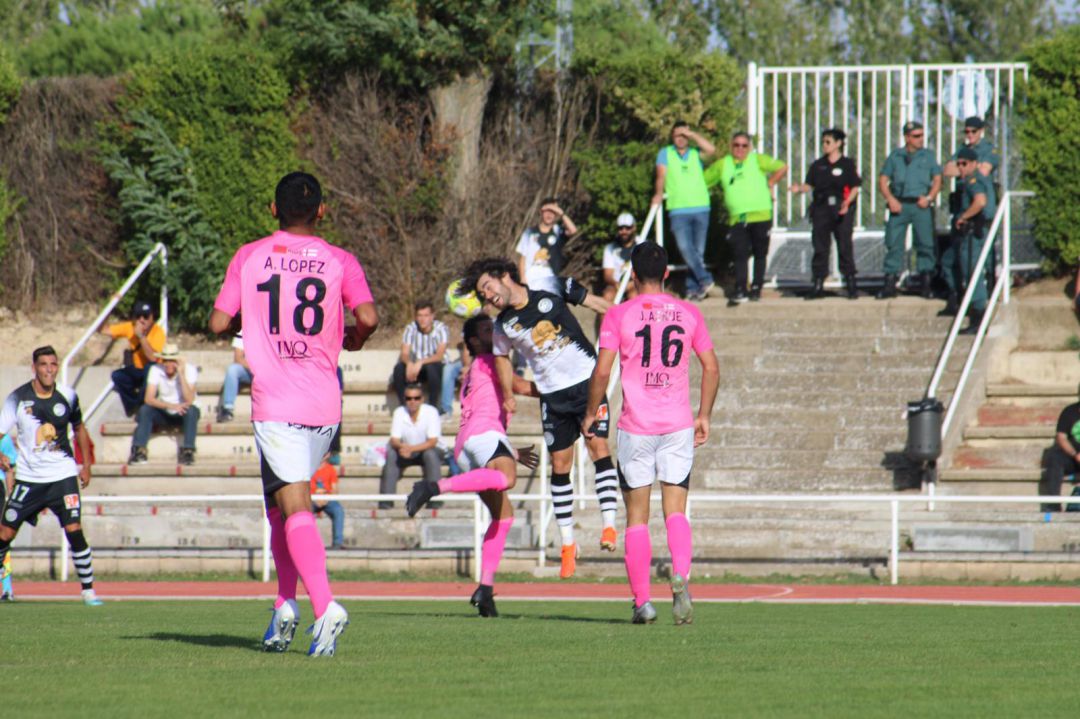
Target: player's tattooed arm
column 367, row 321
column 605, row 359
column 220, row 322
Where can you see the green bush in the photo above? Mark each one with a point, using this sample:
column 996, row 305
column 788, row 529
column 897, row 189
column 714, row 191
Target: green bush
column 158, row 197
column 10, row 85
column 92, row 44
column 228, row 106
column 1050, row 142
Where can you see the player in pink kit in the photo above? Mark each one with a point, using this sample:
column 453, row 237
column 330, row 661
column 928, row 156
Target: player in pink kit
column 657, row 429
column 484, row 452
column 289, row 289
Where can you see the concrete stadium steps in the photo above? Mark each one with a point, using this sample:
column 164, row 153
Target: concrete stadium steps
column 219, row 442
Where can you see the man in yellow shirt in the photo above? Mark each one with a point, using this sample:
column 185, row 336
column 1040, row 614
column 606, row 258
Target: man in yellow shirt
column 145, row 339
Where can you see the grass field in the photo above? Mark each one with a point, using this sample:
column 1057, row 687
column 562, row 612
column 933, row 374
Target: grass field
column 437, row 659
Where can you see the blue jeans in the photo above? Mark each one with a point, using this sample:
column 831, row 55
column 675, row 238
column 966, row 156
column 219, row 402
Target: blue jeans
column 691, row 231
column 450, row 372
column 235, row 375
column 336, row 513
column 149, row 417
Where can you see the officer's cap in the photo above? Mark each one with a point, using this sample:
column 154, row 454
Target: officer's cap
column 911, row 126
column 966, row 153
column 974, row 123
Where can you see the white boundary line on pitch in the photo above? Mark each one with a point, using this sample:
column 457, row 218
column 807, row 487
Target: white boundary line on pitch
column 463, row 598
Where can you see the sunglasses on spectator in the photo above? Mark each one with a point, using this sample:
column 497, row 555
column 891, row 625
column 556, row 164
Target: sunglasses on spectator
column 962, row 163
column 740, row 144
column 970, row 131
column 415, row 398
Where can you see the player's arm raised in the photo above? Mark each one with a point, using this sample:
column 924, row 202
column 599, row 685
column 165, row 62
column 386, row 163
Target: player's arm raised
column 710, row 381
column 597, row 387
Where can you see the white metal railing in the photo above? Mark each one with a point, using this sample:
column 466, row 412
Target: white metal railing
column 789, row 107
column 479, row 512
column 1002, row 223
column 158, row 250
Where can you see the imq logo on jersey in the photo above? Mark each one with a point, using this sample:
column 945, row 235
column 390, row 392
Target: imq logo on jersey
column 292, row 349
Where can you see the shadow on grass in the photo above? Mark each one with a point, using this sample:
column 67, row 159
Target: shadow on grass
column 204, row 640
column 471, row 615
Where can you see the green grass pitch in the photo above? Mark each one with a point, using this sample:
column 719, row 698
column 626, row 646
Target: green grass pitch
column 437, row 659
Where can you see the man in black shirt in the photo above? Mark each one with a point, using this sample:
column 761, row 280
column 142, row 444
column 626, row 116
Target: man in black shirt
column 835, row 182
column 1064, row 457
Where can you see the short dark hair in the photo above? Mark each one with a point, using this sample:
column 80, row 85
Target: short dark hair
column 649, row 261
column 678, row 124
column 551, row 200
column 494, row 266
column 298, row 196
column 471, row 330
column 742, row 133
column 423, row 304
column 836, row 134
column 44, row 352
column 414, row 385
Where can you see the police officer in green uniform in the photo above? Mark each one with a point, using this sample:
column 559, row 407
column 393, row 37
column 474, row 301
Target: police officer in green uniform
column 977, row 208
column 987, row 163
column 910, row 180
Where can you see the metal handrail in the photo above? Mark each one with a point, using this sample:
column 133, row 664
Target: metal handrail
column 1003, row 217
column 163, row 317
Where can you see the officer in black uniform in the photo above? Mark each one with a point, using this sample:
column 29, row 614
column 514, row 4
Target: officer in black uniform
column 835, row 182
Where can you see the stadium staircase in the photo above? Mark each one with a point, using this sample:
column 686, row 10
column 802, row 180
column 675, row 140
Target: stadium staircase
column 811, row 401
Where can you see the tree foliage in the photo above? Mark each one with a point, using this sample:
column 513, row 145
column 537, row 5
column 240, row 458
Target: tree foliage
column 413, row 43
column 100, row 39
column 1049, row 140
column 228, row 106
column 10, row 84
column 159, row 199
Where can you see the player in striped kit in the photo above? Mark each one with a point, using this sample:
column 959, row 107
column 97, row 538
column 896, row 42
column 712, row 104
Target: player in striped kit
column 652, row 335
column 41, row 411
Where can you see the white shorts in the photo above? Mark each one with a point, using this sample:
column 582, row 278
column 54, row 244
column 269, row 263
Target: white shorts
column 290, row 453
column 645, row 457
column 480, row 449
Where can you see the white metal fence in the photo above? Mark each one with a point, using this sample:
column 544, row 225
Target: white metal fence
column 789, row 107
column 890, row 542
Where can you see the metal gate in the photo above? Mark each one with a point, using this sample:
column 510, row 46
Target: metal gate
column 789, row 107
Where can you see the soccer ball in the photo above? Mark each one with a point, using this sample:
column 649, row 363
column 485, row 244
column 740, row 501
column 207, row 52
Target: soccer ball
column 467, row 305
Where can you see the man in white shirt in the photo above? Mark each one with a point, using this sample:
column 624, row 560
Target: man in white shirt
column 169, row 402
column 617, row 257
column 415, row 433
column 540, row 250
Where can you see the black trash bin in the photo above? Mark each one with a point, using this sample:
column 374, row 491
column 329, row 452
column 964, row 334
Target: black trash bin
column 924, row 430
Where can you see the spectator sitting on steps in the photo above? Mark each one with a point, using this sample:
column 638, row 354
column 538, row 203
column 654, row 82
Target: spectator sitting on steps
column 423, row 351
column 169, row 402
column 415, row 433
column 323, row 483
column 236, row 374
column 1064, row 457
column 145, row 339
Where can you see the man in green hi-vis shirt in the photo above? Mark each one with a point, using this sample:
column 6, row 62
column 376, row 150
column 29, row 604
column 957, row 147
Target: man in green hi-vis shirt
column 680, row 173
column 747, row 179
column 910, row 180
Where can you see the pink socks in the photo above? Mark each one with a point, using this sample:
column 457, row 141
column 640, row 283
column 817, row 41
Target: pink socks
column 492, row 549
column 678, row 539
column 309, row 555
column 638, row 559
column 478, row 480
column 286, row 570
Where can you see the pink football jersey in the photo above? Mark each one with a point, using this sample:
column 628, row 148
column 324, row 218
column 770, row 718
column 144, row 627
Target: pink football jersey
column 290, row 289
column 481, row 402
column 655, row 336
